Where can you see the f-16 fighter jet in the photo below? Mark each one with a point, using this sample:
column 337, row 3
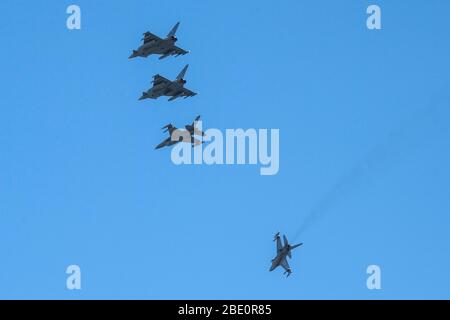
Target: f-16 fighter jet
column 179, row 135
column 283, row 251
column 155, row 45
column 164, row 87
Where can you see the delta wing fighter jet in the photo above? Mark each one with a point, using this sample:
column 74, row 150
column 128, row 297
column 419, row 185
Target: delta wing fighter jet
column 283, row 251
column 180, row 135
column 155, row 45
column 165, row 87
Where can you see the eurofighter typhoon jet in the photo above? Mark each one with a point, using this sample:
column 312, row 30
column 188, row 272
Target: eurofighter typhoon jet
column 165, row 87
column 155, row 45
column 182, row 135
column 283, row 251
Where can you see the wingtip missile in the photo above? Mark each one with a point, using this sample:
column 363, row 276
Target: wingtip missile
column 277, row 235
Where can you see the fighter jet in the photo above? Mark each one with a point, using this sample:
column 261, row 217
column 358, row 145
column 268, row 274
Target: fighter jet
column 164, row 87
column 282, row 252
column 155, row 45
column 179, row 135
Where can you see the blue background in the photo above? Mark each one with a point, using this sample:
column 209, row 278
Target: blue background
column 364, row 151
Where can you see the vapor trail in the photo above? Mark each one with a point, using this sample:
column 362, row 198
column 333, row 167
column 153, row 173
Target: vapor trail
column 382, row 156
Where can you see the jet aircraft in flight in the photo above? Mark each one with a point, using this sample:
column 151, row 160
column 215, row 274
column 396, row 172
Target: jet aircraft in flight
column 165, row 87
column 283, row 251
column 156, row 45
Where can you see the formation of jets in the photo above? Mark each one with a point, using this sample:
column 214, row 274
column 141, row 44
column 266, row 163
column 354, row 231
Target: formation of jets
column 163, row 47
column 283, row 251
column 174, row 89
column 162, row 86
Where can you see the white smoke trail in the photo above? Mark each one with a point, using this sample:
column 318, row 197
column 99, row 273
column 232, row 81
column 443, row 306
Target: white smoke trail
column 382, row 156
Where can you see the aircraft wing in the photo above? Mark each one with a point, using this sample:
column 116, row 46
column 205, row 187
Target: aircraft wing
column 285, row 264
column 187, row 93
column 279, row 245
column 160, row 79
column 178, row 51
column 164, row 143
column 149, row 37
column 173, row 51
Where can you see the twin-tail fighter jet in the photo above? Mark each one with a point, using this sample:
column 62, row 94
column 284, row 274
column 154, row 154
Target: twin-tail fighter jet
column 165, row 87
column 156, row 45
column 283, row 251
column 182, row 135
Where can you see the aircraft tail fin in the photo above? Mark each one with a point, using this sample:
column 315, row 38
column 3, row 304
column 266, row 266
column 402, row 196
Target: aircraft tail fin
column 173, row 31
column 182, row 73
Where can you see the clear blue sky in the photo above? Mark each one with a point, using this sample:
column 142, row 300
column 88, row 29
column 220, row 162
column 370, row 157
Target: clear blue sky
column 364, row 155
